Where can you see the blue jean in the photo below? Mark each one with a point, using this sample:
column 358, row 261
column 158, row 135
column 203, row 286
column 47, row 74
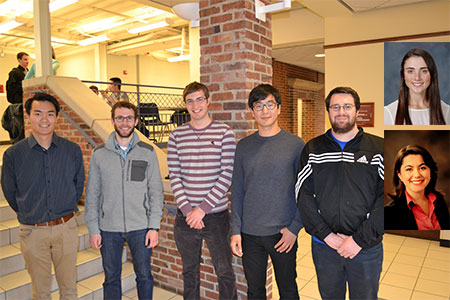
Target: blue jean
column 112, row 248
column 256, row 251
column 189, row 243
column 333, row 272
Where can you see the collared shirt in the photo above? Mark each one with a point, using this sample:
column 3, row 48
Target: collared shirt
column 43, row 185
column 424, row 221
column 123, row 152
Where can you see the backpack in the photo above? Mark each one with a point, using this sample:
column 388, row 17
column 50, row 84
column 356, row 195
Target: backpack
column 12, row 121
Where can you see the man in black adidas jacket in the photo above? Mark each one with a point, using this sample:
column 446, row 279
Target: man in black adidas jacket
column 340, row 198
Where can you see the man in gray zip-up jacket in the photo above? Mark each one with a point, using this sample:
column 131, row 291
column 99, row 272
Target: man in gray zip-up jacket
column 124, row 201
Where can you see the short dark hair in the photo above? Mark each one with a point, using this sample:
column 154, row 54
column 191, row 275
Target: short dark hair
column 93, row 87
column 116, row 81
column 427, row 159
column 123, row 104
column 261, row 92
column 41, row 97
column 194, row 87
column 343, row 90
column 21, row 54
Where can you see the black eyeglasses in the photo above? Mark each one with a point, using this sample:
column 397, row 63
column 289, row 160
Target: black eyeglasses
column 260, row 106
column 120, row 119
column 337, row 107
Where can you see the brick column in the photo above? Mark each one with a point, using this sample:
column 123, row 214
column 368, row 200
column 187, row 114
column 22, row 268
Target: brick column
column 236, row 55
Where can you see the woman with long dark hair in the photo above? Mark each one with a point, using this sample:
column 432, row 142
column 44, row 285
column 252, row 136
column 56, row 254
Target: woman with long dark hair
column 419, row 102
column 416, row 204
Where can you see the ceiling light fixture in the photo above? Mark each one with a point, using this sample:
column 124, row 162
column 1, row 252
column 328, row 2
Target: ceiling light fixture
column 94, row 40
column 320, row 55
column 152, row 26
column 102, row 25
column 58, row 4
column 188, row 11
column 7, row 26
column 15, row 8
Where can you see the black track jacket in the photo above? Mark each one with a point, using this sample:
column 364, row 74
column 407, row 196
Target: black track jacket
column 342, row 191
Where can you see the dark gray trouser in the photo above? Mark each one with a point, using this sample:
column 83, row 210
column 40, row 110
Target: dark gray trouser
column 333, row 271
column 256, row 251
column 189, row 243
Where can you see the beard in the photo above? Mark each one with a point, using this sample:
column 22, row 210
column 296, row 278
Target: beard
column 343, row 127
column 122, row 133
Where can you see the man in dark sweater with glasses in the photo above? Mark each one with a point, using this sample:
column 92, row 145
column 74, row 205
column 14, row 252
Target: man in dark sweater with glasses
column 265, row 220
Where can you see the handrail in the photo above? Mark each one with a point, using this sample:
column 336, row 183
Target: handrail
column 133, row 84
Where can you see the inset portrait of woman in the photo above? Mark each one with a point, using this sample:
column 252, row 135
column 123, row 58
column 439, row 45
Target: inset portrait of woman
column 415, row 203
column 419, row 99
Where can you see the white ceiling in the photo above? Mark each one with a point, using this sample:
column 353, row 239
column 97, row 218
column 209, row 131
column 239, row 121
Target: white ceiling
column 69, row 23
column 364, row 5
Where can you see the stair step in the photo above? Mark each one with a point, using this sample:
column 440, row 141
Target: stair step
column 11, row 259
column 17, row 285
column 92, row 287
column 9, row 231
column 6, row 212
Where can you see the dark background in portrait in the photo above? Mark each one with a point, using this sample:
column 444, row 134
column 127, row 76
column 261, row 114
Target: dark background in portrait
column 393, row 55
column 437, row 142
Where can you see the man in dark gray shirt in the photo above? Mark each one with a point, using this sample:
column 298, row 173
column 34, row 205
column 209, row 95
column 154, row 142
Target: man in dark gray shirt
column 264, row 219
column 43, row 180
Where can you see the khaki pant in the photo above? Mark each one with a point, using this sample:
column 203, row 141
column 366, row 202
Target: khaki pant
column 42, row 245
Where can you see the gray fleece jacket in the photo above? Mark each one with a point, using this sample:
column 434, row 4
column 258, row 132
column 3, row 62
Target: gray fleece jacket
column 123, row 195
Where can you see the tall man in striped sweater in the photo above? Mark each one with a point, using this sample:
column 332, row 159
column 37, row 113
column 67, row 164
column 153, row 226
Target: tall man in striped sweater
column 200, row 158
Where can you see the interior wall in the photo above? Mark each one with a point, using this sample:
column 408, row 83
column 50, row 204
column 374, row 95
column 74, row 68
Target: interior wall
column 163, row 73
column 123, row 67
column 361, row 65
column 351, row 66
column 80, row 65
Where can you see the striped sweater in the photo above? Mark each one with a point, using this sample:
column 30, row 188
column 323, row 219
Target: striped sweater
column 201, row 165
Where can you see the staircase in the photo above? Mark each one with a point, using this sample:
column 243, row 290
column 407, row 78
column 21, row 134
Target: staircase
column 15, row 283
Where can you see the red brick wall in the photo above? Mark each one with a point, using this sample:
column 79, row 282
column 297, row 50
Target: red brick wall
column 236, row 51
column 313, row 114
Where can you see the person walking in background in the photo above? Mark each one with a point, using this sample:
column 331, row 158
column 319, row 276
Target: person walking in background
column 12, row 119
column 124, row 201
column 265, row 220
column 200, row 158
column 340, row 190
column 14, row 91
column 43, row 180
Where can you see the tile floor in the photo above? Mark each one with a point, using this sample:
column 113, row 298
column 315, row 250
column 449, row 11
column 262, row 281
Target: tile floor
column 413, row 269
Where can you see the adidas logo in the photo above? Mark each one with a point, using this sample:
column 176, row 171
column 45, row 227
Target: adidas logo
column 363, row 160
